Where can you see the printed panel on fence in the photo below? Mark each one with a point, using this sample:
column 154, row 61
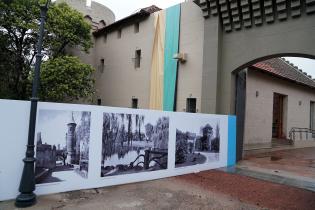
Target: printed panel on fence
column 80, row 147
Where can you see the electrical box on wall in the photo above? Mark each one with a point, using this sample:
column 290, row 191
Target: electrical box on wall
column 182, row 57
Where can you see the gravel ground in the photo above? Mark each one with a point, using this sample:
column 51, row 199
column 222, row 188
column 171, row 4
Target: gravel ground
column 170, row 193
column 205, row 190
column 249, row 190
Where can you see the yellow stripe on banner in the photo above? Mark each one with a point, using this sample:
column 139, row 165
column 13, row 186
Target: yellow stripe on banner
column 157, row 66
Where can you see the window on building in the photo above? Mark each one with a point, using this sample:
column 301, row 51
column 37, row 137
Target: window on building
column 137, row 27
column 99, row 101
column 102, row 65
column 119, row 33
column 101, row 24
column 191, row 104
column 134, row 103
column 137, row 58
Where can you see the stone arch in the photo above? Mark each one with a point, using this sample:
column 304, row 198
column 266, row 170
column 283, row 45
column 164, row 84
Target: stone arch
column 240, row 94
column 257, row 60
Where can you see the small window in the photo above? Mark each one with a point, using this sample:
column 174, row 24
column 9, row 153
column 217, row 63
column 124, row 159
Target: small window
column 137, row 26
column 99, row 101
column 101, row 24
column 134, row 103
column 105, row 38
column 119, row 33
column 137, row 58
column 102, row 65
column 191, row 105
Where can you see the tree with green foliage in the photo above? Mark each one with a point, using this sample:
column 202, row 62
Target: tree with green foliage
column 65, row 79
column 65, row 28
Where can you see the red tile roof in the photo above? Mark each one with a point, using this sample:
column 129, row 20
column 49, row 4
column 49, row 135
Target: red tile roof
column 135, row 17
column 281, row 68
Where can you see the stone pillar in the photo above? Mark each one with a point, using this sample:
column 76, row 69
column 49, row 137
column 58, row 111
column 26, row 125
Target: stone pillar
column 211, row 65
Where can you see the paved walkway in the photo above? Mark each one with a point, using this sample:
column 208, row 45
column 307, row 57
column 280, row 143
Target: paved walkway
column 295, row 162
column 205, row 190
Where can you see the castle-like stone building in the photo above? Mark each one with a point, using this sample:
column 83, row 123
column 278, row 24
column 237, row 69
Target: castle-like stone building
column 45, row 154
column 212, row 63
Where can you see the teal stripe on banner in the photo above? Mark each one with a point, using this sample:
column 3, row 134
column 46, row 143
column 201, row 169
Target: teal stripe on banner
column 171, row 48
column 231, row 141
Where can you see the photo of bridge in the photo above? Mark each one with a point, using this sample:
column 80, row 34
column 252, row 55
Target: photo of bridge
column 62, row 146
column 133, row 143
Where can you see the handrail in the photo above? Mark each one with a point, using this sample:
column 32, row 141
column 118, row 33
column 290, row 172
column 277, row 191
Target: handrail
column 301, row 131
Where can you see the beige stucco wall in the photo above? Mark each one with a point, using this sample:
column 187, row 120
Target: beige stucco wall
column 258, row 117
column 191, row 42
column 121, row 81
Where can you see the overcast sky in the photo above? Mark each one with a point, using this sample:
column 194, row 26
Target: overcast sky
column 307, row 65
column 123, row 8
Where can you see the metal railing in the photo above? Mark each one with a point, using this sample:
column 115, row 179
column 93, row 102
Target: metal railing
column 300, row 131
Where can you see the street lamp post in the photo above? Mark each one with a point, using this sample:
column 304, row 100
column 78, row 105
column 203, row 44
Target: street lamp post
column 27, row 196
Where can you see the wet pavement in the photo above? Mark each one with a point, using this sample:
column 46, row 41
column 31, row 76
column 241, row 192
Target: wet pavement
column 294, row 167
column 295, row 163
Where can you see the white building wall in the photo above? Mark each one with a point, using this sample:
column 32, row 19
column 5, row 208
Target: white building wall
column 258, row 117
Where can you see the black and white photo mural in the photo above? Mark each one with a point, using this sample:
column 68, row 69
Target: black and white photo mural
column 197, row 143
column 62, row 146
column 85, row 146
column 133, row 143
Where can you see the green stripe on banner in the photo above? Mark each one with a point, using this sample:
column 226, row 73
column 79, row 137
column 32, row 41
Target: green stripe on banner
column 171, row 48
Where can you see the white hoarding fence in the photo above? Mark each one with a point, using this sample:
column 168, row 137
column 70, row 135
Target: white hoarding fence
column 81, row 146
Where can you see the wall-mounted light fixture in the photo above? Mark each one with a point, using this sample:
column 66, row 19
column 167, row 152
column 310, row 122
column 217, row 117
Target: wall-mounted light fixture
column 257, row 93
column 300, row 103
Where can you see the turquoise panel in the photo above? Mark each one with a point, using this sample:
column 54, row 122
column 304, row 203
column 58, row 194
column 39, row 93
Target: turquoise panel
column 231, row 141
column 172, row 26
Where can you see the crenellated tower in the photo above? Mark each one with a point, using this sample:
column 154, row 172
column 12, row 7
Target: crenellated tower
column 71, row 141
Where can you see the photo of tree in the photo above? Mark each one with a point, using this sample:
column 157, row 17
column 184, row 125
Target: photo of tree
column 62, row 146
column 133, row 143
column 197, row 144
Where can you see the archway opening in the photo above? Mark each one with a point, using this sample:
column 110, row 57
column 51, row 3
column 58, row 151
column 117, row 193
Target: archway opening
column 275, row 109
column 273, row 96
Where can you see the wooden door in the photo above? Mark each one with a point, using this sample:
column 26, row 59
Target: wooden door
column 277, row 122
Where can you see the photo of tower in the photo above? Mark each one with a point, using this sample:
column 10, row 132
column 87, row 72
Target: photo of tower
column 197, row 143
column 62, row 148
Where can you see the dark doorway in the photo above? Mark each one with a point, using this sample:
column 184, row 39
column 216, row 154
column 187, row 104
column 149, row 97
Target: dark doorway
column 240, row 108
column 191, row 105
column 278, row 116
column 312, row 121
column 134, row 103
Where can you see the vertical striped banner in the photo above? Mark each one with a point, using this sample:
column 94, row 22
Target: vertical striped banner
column 171, row 48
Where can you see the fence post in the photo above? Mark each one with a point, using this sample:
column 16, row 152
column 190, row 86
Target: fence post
column 146, row 159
